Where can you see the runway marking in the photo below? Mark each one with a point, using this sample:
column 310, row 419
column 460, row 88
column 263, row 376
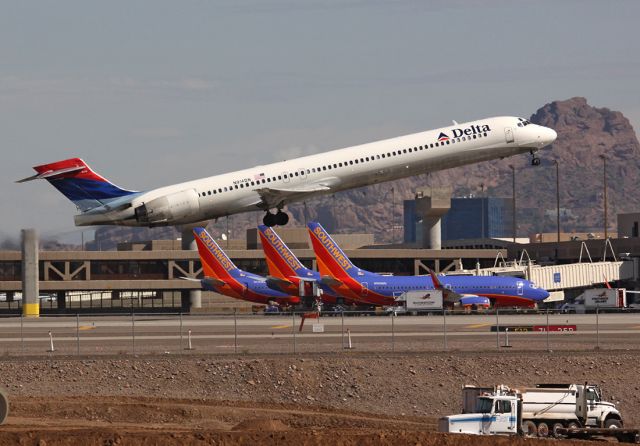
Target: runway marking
column 477, row 325
column 281, row 326
column 87, row 327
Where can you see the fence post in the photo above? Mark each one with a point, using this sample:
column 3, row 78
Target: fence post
column 293, row 329
column 181, row 343
column 393, row 332
column 235, row 330
column 78, row 334
column 444, row 326
column 133, row 333
column 342, row 312
column 598, row 327
column 548, row 347
column 22, row 333
column 497, row 329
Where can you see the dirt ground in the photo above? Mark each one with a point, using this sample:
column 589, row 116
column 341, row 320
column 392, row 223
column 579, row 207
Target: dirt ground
column 342, row 399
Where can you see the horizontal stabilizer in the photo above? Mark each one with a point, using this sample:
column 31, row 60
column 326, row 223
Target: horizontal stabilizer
column 51, row 173
column 330, row 281
column 211, row 281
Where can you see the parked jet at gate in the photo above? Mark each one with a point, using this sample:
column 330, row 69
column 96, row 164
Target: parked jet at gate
column 275, row 185
column 223, row 277
column 289, row 275
column 358, row 284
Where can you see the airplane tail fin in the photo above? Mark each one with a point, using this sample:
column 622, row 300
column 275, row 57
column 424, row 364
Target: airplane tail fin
column 215, row 263
column 282, row 263
column 331, row 260
column 79, row 183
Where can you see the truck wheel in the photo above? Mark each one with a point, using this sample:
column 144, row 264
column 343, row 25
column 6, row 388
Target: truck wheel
column 555, row 428
column 4, row 405
column 612, row 423
column 573, row 425
column 543, row 429
column 529, row 429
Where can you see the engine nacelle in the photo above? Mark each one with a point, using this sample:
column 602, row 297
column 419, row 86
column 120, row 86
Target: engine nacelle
column 168, row 208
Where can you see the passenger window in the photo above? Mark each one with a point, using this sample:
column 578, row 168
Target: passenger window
column 383, row 155
column 219, row 191
column 351, row 162
column 335, row 166
column 225, row 188
column 296, row 174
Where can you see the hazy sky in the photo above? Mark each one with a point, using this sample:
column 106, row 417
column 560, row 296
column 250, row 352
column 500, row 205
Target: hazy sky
column 155, row 92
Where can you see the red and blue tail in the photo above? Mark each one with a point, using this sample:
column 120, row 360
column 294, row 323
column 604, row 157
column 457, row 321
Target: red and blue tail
column 331, row 260
column 282, row 263
column 76, row 181
column 215, row 263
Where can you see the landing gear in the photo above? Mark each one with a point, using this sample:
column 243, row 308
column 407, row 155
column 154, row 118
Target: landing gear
column 280, row 219
column 535, row 161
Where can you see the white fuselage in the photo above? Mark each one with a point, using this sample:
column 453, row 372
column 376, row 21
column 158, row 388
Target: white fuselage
column 274, row 185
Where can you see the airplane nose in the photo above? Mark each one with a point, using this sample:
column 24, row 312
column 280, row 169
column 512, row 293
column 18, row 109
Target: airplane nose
column 548, row 135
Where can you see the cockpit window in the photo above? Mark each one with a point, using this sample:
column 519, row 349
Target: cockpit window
column 523, row 122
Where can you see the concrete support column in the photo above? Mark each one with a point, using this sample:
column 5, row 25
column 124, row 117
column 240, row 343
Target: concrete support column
column 30, row 274
column 433, row 232
column 431, row 204
column 115, row 295
column 61, row 297
column 10, row 296
column 193, row 298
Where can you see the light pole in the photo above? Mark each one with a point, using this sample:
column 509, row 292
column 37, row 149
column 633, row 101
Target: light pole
column 393, row 214
column 604, row 182
column 482, row 210
column 513, row 198
column 557, row 199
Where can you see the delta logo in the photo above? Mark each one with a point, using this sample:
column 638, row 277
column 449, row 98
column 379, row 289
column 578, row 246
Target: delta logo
column 468, row 131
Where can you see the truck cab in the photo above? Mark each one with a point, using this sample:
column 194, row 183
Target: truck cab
column 494, row 415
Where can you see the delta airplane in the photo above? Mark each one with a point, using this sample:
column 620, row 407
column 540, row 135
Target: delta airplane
column 273, row 186
column 222, row 276
column 288, row 275
column 358, row 284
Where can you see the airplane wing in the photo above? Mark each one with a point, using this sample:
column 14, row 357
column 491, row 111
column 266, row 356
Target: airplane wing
column 448, row 294
column 273, row 197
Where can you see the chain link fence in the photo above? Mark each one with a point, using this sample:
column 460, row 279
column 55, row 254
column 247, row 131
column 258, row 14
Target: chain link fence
column 236, row 333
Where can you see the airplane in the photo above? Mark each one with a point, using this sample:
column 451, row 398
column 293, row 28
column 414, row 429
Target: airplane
column 223, row 276
column 358, row 284
column 289, row 275
column 275, row 185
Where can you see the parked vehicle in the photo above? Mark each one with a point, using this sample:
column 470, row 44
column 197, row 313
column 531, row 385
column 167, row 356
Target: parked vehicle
column 546, row 410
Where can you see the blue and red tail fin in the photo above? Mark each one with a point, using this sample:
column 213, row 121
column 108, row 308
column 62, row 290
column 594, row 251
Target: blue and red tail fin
column 282, row 263
column 331, row 260
column 215, row 263
column 76, row 181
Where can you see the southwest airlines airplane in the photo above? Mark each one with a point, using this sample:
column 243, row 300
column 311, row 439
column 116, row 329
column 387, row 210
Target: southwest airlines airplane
column 222, row 276
column 288, row 275
column 358, row 284
column 273, row 186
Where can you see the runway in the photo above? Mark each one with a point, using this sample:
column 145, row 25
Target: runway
column 173, row 334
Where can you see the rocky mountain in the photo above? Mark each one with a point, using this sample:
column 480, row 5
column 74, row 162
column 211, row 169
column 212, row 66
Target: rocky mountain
column 585, row 133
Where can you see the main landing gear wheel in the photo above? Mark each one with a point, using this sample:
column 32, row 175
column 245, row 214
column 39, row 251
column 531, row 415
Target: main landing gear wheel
column 269, row 219
column 280, row 219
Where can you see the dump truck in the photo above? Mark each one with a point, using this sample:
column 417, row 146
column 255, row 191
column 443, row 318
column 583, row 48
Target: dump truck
column 557, row 410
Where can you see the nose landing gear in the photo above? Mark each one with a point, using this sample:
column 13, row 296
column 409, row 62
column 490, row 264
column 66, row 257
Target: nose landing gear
column 535, row 161
column 279, row 218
